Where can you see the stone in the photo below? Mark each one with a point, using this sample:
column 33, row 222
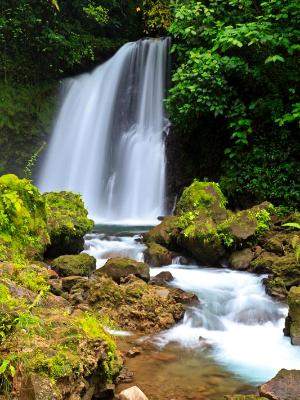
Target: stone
column 284, row 386
column 244, row 397
column 184, row 297
column 292, row 328
column 241, row 259
column 165, row 233
column 70, row 281
column 162, row 278
column 36, row 387
column 131, row 353
column 74, row 265
column 67, row 222
column 133, row 393
column 157, row 255
column 118, row 268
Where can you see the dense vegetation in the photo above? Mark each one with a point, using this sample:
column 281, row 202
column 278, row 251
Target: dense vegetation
column 238, row 67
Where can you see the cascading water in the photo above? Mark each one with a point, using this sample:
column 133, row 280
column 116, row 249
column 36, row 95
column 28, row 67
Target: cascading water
column 108, row 140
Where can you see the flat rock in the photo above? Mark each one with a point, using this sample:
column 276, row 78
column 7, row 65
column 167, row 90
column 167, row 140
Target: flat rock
column 284, row 386
column 133, row 393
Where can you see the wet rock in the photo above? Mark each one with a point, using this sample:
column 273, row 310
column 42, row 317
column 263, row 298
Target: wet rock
column 133, row 304
column 70, row 281
column 118, row 268
column 74, row 265
column 67, row 223
column 165, row 233
column 292, row 326
column 133, row 393
column 184, row 297
column 133, row 352
column 241, row 260
column 275, row 287
column 125, row 376
column 284, row 386
column 157, row 255
column 162, row 278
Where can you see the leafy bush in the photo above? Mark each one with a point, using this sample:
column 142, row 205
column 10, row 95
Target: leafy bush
column 23, row 230
column 238, row 65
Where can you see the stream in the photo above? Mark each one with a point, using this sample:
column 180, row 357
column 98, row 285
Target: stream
column 230, row 343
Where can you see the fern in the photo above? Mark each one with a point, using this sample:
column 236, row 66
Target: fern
column 292, row 225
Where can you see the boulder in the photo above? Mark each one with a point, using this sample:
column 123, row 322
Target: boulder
column 133, row 393
column 70, row 282
column 284, row 386
column 165, row 233
column 133, row 304
column 67, row 223
column 118, row 268
column 292, row 328
column 162, row 278
column 202, row 196
column 74, row 265
column 241, row 259
column 263, row 263
column 157, row 255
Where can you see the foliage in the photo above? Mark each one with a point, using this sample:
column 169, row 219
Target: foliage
column 42, row 40
column 237, row 63
column 23, row 230
column 25, row 116
column 156, row 15
column 32, row 161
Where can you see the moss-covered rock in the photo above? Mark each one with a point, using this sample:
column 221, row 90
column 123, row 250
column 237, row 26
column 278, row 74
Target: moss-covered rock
column 202, row 196
column 23, row 230
column 165, row 233
column 67, row 222
column 293, row 319
column 133, row 304
column 118, row 268
column 284, row 272
column 157, row 255
column 74, row 265
column 284, row 386
column 241, row 259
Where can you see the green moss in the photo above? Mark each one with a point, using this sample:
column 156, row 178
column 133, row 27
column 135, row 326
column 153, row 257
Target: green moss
column 201, row 195
column 74, row 265
column 23, row 230
column 67, row 222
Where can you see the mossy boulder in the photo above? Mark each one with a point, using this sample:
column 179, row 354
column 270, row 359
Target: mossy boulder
column 165, row 233
column 67, row 221
column 293, row 319
column 132, row 304
column 74, row 265
column 284, row 386
column 241, row 259
column 157, row 255
column 119, row 268
column 284, row 272
column 202, row 196
column 23, row 228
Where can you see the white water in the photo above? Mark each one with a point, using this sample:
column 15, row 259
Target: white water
column 240, row 326
column 236, row 319
column 108, row 139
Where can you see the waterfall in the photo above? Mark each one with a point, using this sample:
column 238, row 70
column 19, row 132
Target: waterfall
column 108, row 139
